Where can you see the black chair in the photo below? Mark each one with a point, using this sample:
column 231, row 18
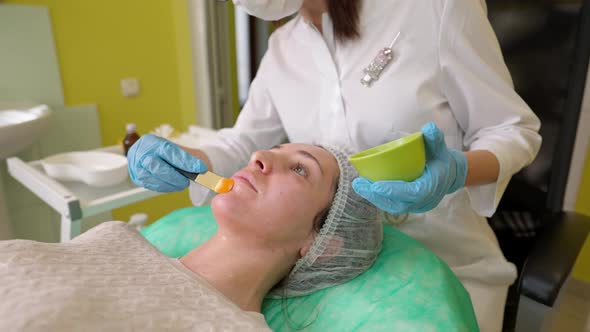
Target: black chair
column 548, row 58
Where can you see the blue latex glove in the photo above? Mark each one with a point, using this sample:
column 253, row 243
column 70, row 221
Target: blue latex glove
column 445, row 173
column 149, row 161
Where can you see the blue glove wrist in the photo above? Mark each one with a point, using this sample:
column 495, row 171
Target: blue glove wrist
column 445, row 173
column 461, row 167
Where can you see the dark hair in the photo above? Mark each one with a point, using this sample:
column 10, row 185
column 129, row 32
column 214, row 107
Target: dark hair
column 345, row 15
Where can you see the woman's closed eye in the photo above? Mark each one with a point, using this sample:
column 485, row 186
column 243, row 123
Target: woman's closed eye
column 300, row 169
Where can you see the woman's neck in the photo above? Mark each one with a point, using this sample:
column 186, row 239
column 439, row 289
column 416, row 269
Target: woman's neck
column 243, row 274
column 312, row 10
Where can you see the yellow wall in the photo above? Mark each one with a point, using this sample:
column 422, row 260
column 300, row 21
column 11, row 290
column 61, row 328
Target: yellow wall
column 583, row 201
column 581, row 269
column 99, row 42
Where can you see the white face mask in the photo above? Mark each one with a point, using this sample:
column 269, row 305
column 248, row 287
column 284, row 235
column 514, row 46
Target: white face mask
column 269, row 10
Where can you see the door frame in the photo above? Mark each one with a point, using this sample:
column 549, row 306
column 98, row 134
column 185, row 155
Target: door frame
column 212, row 43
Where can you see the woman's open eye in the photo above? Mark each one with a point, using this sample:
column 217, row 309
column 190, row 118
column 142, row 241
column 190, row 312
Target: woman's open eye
column 300, row 169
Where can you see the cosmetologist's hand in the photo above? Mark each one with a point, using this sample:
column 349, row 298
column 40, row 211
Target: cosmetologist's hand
column 445, row 173
column 150, row 160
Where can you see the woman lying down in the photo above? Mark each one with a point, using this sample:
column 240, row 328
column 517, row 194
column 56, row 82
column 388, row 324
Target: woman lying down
column 291, row 225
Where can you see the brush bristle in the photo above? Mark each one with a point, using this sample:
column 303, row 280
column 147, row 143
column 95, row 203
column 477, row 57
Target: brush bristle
column 224, row 185
column 215, row 182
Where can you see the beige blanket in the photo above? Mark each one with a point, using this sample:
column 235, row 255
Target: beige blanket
column 109, row 279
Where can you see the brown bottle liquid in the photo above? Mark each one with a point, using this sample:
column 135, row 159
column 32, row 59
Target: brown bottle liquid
column 130, row 138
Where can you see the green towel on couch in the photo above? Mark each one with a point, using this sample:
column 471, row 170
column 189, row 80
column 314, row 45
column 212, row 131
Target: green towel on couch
column 407, row 289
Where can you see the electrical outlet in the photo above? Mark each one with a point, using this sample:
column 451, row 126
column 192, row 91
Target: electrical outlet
column 130, row 87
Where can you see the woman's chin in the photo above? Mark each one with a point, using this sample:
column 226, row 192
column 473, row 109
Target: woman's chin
column 234, row 216
column 227, row 205
column 219, row 205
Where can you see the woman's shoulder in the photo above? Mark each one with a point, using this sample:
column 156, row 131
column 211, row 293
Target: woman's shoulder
column 376, row 12
column 284, row 34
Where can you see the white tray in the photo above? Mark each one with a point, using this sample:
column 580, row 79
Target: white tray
column 95, row 168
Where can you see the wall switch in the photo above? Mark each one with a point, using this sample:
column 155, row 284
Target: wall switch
column 130, row 87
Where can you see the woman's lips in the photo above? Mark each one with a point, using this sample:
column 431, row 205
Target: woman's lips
column 245, row 178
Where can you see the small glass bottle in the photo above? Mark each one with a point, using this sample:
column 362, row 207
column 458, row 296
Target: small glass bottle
column 130, row 138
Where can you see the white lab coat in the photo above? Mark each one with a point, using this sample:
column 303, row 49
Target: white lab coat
column 447, row 68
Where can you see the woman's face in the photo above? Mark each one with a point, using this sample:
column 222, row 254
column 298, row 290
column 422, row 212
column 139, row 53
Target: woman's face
column 276, row 198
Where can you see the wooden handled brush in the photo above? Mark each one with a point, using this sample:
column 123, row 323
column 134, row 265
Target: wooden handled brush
column 210, row 180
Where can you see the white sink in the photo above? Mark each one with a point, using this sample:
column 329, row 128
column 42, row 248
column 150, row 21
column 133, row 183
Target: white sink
column 21, row 124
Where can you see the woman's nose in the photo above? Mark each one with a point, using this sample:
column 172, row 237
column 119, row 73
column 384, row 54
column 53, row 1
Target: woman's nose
column 261, row 161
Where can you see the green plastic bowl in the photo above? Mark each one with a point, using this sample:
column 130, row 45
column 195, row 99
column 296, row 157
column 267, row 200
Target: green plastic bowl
column 402, row 159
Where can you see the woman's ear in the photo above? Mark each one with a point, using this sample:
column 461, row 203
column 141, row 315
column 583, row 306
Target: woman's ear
column 306, row 246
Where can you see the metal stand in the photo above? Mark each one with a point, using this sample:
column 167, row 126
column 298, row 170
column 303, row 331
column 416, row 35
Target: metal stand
column 75, row 200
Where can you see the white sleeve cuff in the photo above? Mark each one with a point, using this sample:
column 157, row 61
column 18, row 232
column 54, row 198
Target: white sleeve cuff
column 485, row 198
column 221, row 163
